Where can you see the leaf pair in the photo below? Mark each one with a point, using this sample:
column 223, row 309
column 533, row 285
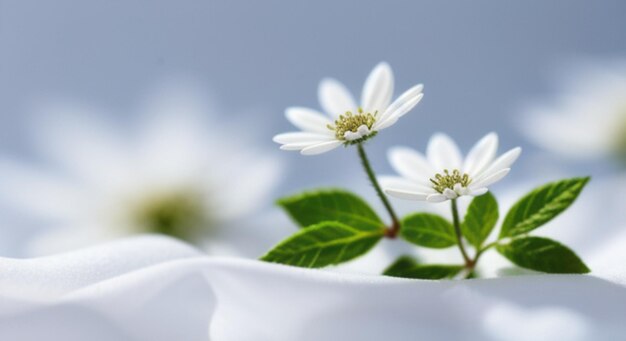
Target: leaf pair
column 532, row 211
column 337, row 226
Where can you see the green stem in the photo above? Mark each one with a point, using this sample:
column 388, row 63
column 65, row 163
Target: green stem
column 393, row 230
column 457, row 230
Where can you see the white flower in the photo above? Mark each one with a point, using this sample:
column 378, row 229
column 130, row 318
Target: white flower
column 589, row 119
column 348, row 123
column 443, row 174
column 167, row 172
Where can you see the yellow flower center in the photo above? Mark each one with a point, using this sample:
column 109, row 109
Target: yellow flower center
column 179, row 214
column 351, row 122
column 448, row 180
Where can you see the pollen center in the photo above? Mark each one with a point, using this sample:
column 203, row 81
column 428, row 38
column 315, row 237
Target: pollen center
column 448, row 180
column 350, row 122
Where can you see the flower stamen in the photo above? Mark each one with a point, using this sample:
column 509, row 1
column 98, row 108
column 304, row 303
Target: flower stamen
column 350, row 127
column 449, row 180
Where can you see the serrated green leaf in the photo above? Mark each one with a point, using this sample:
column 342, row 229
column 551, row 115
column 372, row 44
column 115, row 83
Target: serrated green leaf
column 311, row 208
column 323, row 244
column 480, row 219
column 429, row 230
column 541, row 205
column 407, row 267
column 542, row 254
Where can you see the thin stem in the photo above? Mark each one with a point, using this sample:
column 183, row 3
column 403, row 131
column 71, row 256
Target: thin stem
column 457, row 230
column 393, row 230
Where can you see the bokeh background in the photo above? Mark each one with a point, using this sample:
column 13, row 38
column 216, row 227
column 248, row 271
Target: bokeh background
column 483, row 64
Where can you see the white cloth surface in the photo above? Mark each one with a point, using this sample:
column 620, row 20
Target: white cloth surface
column 156, row 288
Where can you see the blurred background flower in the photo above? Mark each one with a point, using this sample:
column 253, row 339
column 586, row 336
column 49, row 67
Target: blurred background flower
column 587, row 120
column 178, row 167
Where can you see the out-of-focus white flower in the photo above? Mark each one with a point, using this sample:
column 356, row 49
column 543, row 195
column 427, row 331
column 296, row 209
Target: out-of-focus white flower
column 588, row 120
column 348, row 123
column 443, row 174
column 175, row 171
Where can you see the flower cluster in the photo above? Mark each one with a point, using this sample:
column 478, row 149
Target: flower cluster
column 338, row 226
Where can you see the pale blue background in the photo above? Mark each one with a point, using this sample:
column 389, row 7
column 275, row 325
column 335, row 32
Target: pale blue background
column 479, row 60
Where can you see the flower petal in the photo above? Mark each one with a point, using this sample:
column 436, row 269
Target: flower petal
column 394, row 116
column 450, row 194
column 297, row 146
column 478, row 191
column 443, row 153
column 301, row 137
column 335, row 98
column 504, row 161
column 497, row 176
column 321, row 147
column 399, row 106
column 309, row 120
column 437, row 197
column 406, row 195
column 481, row 155
column 378, row 89
column 402, row 184
column 410, row 164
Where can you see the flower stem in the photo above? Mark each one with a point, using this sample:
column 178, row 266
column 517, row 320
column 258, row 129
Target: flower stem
column 469, row 263
column 393, row 230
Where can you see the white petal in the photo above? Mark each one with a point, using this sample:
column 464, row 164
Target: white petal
column 378, row 89
column 402, row 184
column 497, row 176
column 297, row 146
column 309, row 120
column 478, row 191
column 450, row 194
column 334, row 98
column 458, row 188
column 363, row 130
column 301, row 137
column 443, row 153
column 406, row 195
column 436, row 198
column 410, row 96
column 504, row 161
column 350, row 136
column 410, row 164
column 321, row 147
column 481, row 155
column 392, row 117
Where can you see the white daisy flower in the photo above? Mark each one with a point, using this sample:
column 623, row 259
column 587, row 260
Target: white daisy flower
column 443, row 174
column 589, row 119
column 170, row 173
column 346, row 122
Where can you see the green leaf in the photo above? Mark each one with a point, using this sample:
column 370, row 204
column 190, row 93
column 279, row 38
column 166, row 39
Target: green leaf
column 407, row 267
column 480, row 219
column 543, row 254
column 323, row 244
column 311, row 208
column 429, row 230
column 541, row 205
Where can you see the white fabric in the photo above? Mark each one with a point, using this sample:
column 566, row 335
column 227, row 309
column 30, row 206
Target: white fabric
column 155, row 288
